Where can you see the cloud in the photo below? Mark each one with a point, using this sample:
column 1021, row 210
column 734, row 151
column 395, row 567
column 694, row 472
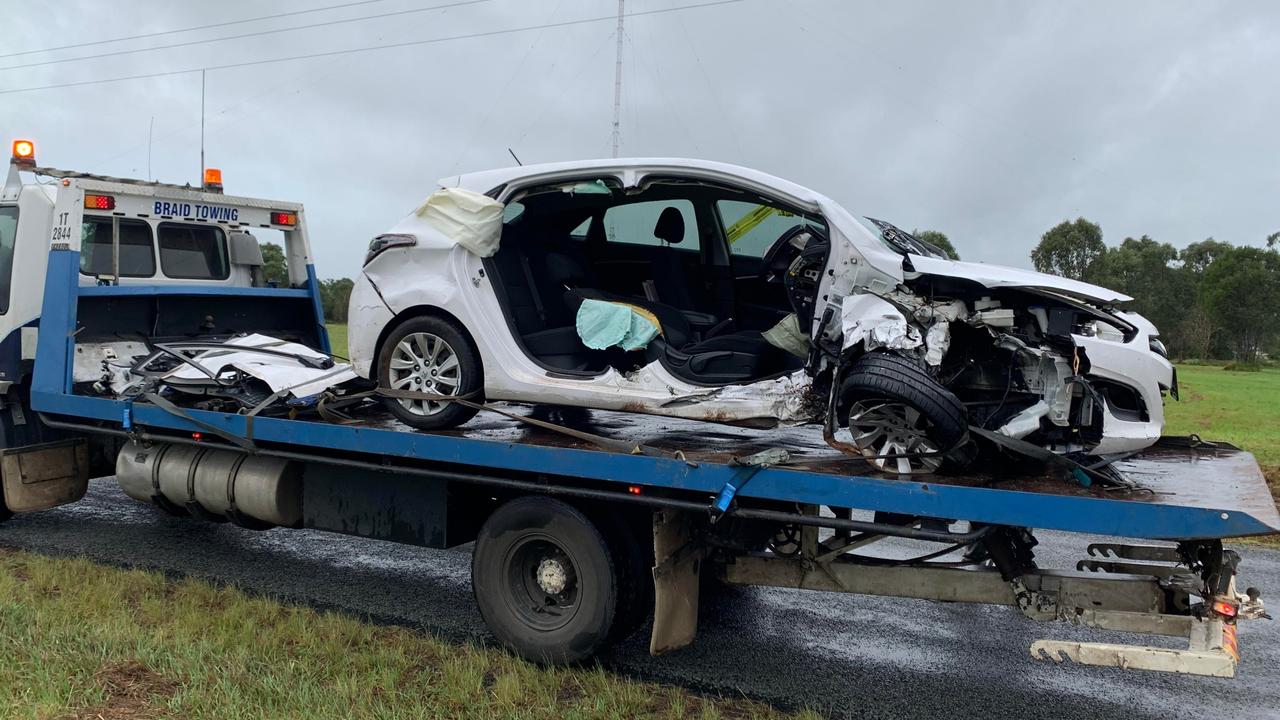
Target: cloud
column 990, row 122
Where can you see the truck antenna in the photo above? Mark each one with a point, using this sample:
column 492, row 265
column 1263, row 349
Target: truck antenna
column 617, row 83
column 513, row 156
column 150, row 133
column 202, row 127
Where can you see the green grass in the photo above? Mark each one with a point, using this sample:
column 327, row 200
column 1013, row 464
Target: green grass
column 83, row 640
column 1242, row 408
column 337, row 338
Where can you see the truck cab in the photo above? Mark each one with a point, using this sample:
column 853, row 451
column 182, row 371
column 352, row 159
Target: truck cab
column 132, row 234
column 151, row 261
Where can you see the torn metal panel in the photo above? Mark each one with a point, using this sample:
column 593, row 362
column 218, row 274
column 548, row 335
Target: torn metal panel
column 106, row 363
column 652, row 389
column 279, row 373
column 876, row 323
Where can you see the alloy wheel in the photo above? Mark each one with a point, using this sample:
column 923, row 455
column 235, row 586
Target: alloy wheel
column 423, row 362
column 882, row 428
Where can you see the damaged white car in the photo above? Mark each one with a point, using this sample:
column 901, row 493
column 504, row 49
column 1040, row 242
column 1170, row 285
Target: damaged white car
column 708, row 291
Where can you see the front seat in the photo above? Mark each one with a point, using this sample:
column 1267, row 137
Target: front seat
column 576, row 279
column 670, row 276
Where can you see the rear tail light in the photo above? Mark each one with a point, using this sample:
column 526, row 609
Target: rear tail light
column 284, row 218
column 1224, row 608
column 99, row 202
column 386, row 242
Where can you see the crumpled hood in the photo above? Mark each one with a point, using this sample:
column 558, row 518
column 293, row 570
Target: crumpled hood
column 999, row 276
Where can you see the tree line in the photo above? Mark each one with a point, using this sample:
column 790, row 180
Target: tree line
column 1210, row 299
column 334, row 292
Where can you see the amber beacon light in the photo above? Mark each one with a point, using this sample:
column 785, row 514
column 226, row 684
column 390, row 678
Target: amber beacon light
column 24, row 153
column 213, row 179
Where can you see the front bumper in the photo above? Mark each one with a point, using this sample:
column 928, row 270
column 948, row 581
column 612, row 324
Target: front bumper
column 1135, row 366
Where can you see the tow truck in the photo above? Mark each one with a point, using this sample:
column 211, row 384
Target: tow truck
column 585, row 524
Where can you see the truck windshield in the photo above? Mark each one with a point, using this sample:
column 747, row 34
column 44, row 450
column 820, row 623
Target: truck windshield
column 8, row 235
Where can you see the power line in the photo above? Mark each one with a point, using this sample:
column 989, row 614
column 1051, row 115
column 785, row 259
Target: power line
column 206, row 41
column 192, row 29
column 411, row 43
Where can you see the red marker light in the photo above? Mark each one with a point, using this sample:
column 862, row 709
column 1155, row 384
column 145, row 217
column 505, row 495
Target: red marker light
column 99, row 202
column 197, row 436
column 284, row 218
column 1224, row 608
column 24, row 153
column 634, row 489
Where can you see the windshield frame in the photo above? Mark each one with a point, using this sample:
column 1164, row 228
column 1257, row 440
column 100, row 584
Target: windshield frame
column 903, row 242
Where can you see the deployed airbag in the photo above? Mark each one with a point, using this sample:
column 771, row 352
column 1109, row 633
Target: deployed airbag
column 603, row 324
column 468, row 218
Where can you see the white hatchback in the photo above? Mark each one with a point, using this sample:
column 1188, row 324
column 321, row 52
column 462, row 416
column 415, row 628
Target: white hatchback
column 707, row 291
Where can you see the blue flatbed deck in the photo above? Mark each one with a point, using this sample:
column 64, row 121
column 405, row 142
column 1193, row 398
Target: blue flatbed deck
column 1184, row 492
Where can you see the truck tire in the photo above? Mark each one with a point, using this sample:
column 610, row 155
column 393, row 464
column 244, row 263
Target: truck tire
column 432, row 355
column 631, row 544
column 891, row 405
column 545, row 580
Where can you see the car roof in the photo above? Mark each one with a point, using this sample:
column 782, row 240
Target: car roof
column 487, row 180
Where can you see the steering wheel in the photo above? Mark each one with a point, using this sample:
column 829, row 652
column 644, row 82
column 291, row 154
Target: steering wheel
column 774, row 264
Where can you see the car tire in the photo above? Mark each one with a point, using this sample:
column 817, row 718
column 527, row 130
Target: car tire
column 914, row 412
column 443, row 354
column 545, row 581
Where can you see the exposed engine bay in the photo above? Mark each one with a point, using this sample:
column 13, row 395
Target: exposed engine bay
column 1020, row 359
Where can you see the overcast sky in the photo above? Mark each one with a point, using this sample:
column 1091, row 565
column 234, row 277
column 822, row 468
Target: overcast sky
column 989, row 121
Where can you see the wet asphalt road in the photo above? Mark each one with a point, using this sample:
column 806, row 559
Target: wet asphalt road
column 846, row 656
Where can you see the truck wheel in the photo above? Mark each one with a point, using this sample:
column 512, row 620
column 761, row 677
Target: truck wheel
column 429, row 355
column 893, row 407
column 545, row 582
column 631, row 545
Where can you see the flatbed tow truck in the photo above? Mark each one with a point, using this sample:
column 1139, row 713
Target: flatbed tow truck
column 585, row 524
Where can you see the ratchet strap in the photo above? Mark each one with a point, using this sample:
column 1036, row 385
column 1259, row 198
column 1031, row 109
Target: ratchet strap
column 244, row 443
column 329, row 408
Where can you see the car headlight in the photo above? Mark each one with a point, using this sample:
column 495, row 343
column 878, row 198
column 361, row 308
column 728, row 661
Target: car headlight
column 1158, row 347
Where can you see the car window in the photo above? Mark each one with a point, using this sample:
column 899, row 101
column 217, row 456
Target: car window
column 8, row 236
column 634, row 223
column 752, row 228
column 193, row 252
column 137, row 253
column 512, row 212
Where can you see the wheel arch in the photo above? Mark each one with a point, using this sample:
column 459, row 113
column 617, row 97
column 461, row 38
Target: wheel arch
column 418, row 311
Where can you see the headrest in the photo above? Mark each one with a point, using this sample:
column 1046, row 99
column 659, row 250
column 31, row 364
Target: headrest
column 670, row 227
